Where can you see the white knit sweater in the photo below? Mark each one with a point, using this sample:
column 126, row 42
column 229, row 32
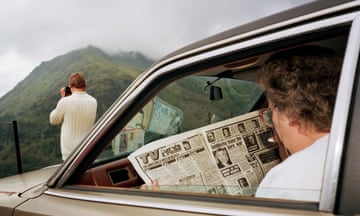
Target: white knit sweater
column 77, row 115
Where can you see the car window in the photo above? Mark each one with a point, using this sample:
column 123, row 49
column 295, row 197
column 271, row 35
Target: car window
column 203, row 102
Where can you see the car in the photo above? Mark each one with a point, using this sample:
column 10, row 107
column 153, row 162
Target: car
column 206, row 83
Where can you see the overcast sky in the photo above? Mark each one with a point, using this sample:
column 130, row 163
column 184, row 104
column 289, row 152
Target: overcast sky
column 33, row 31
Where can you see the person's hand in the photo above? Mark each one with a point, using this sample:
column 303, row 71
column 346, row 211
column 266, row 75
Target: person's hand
column 283, row 152
column 62, row 92
column 153, row 186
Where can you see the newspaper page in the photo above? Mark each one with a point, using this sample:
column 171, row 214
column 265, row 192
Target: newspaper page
column 227, row 157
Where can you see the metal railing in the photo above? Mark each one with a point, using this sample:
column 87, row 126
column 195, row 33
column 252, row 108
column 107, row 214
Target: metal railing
column 16, row 143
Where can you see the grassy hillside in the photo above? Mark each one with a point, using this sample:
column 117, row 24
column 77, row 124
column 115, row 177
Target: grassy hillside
column 31, row 101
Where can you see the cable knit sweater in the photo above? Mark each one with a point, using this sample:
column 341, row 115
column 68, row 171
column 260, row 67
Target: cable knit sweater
column 77, row 115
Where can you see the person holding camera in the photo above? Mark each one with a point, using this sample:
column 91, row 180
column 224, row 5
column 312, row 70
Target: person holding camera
column 75, row 111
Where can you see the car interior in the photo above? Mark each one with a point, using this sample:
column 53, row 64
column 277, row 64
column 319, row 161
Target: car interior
column 212, row 94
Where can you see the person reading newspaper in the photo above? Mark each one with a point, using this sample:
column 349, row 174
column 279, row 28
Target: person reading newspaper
column 300, row 86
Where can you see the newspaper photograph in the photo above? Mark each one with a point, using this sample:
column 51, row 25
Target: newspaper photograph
column 227, row 157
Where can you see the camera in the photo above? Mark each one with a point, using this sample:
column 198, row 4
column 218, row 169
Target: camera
column 67, row 91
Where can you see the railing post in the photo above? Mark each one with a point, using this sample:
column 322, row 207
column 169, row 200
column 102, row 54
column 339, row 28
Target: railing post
column 17, row 147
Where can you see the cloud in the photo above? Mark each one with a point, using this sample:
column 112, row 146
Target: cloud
column 33, row 31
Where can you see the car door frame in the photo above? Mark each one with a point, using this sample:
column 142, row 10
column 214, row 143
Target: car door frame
column 345, row 193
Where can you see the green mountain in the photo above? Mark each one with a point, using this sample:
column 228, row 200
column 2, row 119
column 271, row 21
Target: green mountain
column 31, row 101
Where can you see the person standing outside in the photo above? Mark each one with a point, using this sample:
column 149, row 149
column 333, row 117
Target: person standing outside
column 300, row 86
column 76, row 114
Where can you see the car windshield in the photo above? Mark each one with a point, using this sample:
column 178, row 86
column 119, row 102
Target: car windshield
column 186, row 104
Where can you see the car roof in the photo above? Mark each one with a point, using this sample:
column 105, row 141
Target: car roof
column 295, row 16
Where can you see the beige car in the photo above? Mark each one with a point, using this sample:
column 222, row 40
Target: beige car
column 201, row 86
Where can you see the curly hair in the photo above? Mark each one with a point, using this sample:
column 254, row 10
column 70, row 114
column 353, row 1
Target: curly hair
column 302, row 82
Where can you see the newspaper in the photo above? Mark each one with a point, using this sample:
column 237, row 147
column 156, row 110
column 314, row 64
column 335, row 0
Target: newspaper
column 227, row 157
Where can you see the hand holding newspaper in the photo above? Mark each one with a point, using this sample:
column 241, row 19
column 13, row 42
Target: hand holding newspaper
column 227, row 157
